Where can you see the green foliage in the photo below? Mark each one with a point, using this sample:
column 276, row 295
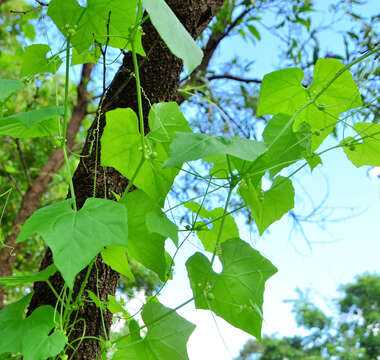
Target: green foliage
column 29, row 336
column 88, row 26
column 173, row 33
column 236, row 294
column 166, row 337
column 365, row 152
column 271, row 205
column 209, row 237
column 303, row 117
column 124, row 151
column 9, row 87
column 145, row 246
column 188, row 146
column 35, row 61
column 75, row 238
column 349, row 335
column 332, row 92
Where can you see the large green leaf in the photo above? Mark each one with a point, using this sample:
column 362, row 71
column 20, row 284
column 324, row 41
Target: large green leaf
column 75, row 238
column 158, row 222
column 36, row 62
column 166, row 338
column 366, row 152
column 87, row 25
column 282, row 92
column 271, row 205
column 189, row 146
column 35, row 123
column 145, row 246
column 27, row 279
column 285, row 145
column 9, row 87
column 121, row 143
column 176, row 37
column 208, row 236
column 29, row 336
column 236, row 294
column 116, row 257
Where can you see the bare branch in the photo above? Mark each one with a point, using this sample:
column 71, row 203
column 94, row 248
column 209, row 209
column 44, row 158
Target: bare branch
column 232, row 77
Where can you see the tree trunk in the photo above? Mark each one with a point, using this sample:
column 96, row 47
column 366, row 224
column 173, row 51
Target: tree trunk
column 159, row 72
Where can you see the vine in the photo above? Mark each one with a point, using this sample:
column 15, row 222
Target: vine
column 151, row 161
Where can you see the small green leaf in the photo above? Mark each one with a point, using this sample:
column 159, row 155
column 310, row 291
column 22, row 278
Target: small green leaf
column 99, row 303
column 237, row 292
column 35, row 61
column 29, row 336
column 146, row 247
column 9, row 87
column 158, row 222
column 75, row 238
column 208, row 236
column 189, row 146
column 271, row 205
column 166, row 338
column 366, row 152
column 176, row 37
column 87, row 56
column 116, row 307
column 27, row 279
column 116, row 257
column 121, row 143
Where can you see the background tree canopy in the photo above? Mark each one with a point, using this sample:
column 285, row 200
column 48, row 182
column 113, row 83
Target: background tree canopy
column 353, row 333
column 89, row 99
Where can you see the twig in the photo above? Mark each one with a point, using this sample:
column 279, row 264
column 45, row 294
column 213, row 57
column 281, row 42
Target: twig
column 232, row 77
column 25, row 167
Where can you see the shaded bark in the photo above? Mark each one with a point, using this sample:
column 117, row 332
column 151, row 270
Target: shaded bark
column 160, row 72
column 31, row 200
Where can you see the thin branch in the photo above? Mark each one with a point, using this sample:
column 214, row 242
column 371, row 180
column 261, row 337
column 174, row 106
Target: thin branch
column 232, row 77
column 23, row 162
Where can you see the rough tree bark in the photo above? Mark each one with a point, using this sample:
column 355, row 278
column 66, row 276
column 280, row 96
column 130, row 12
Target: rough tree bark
column 31, row 200
column 160, row 72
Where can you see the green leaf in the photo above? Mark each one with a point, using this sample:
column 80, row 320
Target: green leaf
column 367, row 152
column 176, row 37
column 271, row 205
column 9, row 87
column 27, row 279
column 88, row 25
column 116, row 257
column 189, row 146
column 29, row 336
column 166, row 338
column 75, row 238
column 282, row 92
column 87, row 56
column 208, row 236
column 35, row 123
column 236, row 294
column 116, row 307
column 36, row 62
column 146, row 247
column 285, row 146
column 158, row 222
column 121, row 142
column 34, row 117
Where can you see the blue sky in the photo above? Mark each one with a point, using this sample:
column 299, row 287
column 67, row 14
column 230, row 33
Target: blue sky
column 333, row 256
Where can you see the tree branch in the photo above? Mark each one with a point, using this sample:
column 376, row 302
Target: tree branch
column 232, row 77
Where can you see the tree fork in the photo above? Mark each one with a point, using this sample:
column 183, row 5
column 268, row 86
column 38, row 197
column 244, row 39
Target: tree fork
column 159, row 71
